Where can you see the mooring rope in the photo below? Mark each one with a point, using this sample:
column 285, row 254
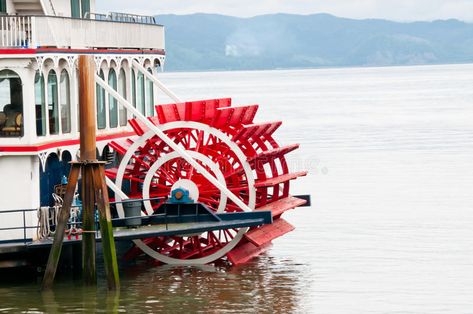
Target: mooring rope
column 44, row 227
column 48, row 217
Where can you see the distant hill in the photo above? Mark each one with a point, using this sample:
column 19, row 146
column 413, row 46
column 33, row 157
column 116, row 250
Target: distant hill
column 217, row 42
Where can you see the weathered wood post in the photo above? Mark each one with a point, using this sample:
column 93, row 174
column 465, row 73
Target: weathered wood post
column 87, row 156
column 63, row 218
column 106, row 231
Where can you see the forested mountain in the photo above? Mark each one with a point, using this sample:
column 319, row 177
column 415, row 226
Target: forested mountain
column 217, row 42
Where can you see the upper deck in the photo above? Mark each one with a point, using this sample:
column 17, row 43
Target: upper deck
column 40, row 41
column 64, row 24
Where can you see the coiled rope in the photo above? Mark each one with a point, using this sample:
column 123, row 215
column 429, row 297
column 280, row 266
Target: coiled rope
column 48, row 218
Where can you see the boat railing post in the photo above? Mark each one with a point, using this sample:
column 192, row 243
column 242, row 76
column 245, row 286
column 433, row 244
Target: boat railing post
column 32, row 32
column 24, row 227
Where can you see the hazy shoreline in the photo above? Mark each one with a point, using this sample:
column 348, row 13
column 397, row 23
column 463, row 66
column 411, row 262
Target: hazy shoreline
column 316, row 68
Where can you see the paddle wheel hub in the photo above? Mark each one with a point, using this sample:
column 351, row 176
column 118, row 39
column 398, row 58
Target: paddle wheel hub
column 181, row 195
column 241, row 154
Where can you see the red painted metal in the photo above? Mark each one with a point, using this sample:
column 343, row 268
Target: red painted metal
column 282, row 205
column 29, row 51
column 256, row 130
column 280, row 179
column 232, row 116
column 245, row 252
column 139, row 127
column 57, row 144
column 199, row 111
column 267, row 233
column 264, row 155
column 121, row 146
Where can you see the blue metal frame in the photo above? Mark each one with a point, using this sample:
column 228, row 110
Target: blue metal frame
column 184, row 218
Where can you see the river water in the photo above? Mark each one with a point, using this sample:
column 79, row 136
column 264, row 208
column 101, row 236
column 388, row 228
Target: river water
column 390, row 155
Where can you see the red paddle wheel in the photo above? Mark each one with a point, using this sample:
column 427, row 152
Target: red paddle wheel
column 240, row 154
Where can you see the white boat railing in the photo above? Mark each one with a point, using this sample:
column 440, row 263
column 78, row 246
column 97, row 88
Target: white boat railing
column 15, row 31
column 74, row 33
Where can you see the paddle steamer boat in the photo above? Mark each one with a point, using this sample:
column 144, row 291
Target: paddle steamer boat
column 40, row 42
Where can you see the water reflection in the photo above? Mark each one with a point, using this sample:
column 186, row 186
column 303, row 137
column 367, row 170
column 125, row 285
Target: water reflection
column 265, row 285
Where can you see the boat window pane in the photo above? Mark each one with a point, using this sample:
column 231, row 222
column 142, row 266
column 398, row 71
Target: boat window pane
column 3, row 6
column 140, row 93
column 100, row 94
column 11, row 104
column 150, row 95
column 40, row 104
column 75, row 8
column 112, row 102
column 53, row 107
column 122, row 92
column 85, row 6
column 65, row 102
column 133, row 88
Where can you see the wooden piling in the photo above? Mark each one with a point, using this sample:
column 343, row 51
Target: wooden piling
column 106, row 231
column 63, row 218
column 88, row 227
column 94, row 190
column 87, row 116
column 88, row 146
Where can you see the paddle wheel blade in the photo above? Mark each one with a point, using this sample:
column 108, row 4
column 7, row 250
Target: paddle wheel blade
column 267, row 233
column 245, row 252
column 283, row 205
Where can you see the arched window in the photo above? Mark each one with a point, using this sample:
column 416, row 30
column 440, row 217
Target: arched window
column 11, row 104
column 65, row 93
column 53, row 104
column 101, row 114
column 140, row 93
column 122, row 92
column 40, row 104
column 112, row 102
column 150, row 95
column 133, row 88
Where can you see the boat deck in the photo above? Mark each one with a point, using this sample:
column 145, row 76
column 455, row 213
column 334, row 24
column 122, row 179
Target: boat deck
column 176, row 221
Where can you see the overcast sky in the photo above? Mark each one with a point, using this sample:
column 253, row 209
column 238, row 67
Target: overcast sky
column 399, row 10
